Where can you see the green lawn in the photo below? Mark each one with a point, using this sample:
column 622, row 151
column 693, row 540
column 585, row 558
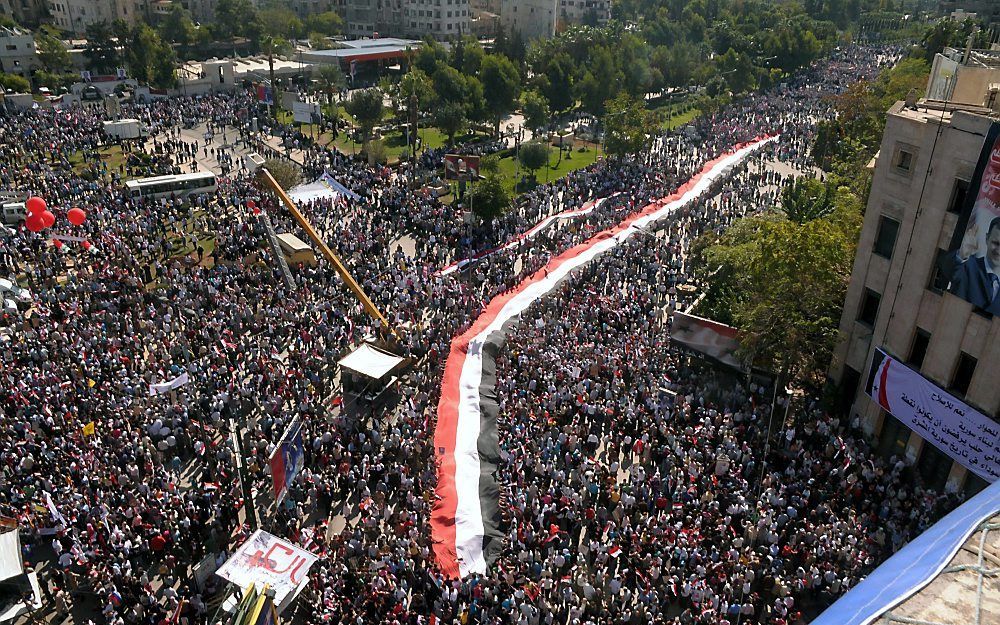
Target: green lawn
column 673, row 115
column 555, row 170
column 112, row 155
column 395, row 142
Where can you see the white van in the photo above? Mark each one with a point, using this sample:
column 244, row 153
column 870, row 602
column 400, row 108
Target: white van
column 14, row 213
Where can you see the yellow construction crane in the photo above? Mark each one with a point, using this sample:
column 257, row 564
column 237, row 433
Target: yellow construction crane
column 332, row 258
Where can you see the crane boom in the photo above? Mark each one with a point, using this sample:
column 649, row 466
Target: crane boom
column 332, row 258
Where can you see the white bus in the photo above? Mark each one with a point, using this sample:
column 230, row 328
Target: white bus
column 181, row 185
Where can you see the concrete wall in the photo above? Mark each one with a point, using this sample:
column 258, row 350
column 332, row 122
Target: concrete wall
column 920, row 203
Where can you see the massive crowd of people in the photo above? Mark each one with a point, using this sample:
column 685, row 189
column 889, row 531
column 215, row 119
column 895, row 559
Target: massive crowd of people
column 637, row 485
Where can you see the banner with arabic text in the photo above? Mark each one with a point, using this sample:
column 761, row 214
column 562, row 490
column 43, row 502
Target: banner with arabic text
column 966, row 435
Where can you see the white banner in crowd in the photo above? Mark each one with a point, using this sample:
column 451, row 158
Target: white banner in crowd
column 267, row 559
column 163, row 387
column 963, row 433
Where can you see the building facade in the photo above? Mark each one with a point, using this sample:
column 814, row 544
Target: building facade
column 988, row 10
column 441, row 19
column 27, row 13
column 202, row 11
column 592, row 12
column 900, row 299
column 73, row 16
column 533, row 19
column 17, row 52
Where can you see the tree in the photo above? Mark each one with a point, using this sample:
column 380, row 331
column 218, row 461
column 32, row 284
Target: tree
column 600, row 82
column 489, row 197
column 737, row 69
column 416, row 90
column 102, row 48
column 558, row 84
column 535, row 108
column 286, row 173
column 331, row 79
column 237, row 18
column 627, row 126
column 533, row 156
column 318, row 41
column 14, row 83
column 430, row 56
column 785, row 283
column 280, row 21
column 177, row 26
column 52, row 54
column 501, row 87
column 366, row 108
column 328, row 23
column 149, row 58
column 450, row 118
column 806, row 199
column 467, row 55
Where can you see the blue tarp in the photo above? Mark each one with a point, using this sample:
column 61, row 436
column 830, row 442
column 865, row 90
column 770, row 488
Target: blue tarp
column 915, row 565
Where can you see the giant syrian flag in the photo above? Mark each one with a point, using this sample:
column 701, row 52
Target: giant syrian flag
column 465, row 522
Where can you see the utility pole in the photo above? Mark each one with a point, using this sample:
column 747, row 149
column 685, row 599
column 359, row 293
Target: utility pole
column 237, row 427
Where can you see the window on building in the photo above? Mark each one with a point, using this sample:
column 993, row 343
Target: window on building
column 939, row 277
column 918, row 349
column 958, row 192
column 885, row 240
column 869, row 307
column 848, row 388
column 11, row 47
column 903, row 160
column 964, row 370
column 893, row 437
column 934, row 466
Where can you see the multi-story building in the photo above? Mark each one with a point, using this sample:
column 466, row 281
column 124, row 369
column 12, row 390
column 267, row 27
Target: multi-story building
column 919, row 304
column 24, row 12
column 593, row 12
column 74, row 16
column 441, row 19
column 17, row 52
column 988, row 10
column 534, row 19
column 305, row 8
column 361, row 17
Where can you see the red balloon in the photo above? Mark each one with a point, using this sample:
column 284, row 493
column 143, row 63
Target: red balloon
column 251, row 204
column 57, row 243
column 48, row 218
column 35, row 222
column 76, row 216
column 86, row 245
column 35, row 205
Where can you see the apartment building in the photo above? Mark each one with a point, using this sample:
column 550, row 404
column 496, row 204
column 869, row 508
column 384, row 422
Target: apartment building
column 17, row 52
column 593, row 12
column 533, row 19
column 919, row 353
column 73, row 16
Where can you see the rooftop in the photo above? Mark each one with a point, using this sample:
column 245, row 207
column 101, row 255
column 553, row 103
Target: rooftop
column 364, row 47
column 966, row 591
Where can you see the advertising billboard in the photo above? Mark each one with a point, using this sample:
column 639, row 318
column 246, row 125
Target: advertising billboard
column 972, row 263
column 963, row 433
